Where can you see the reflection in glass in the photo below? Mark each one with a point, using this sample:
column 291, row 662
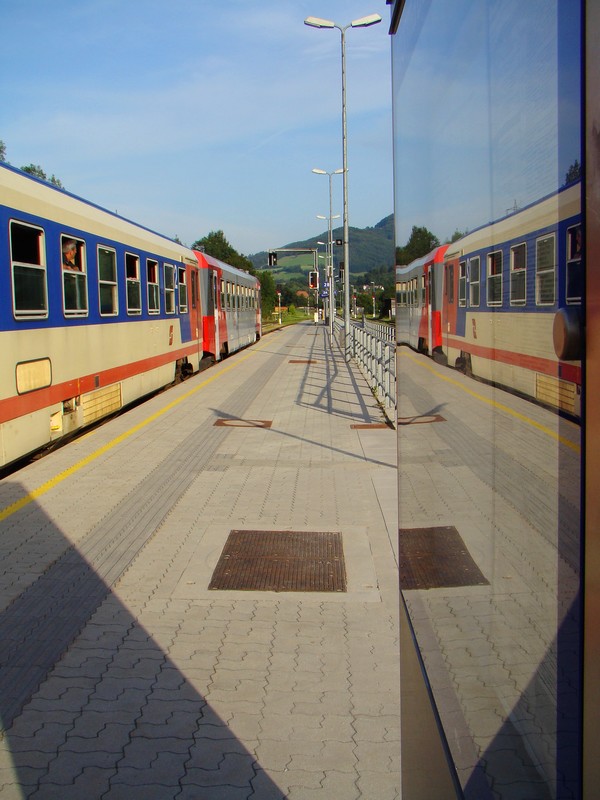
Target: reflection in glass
column 486, row 157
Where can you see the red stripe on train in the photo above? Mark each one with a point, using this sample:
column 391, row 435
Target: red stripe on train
column 17, row 406
column 567, row 372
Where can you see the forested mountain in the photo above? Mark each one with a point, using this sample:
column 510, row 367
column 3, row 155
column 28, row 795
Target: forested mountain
column 370, row 248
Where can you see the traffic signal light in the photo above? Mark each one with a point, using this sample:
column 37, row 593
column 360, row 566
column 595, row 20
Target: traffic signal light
column 272, row 259
column 313, row 280
column 339, row 242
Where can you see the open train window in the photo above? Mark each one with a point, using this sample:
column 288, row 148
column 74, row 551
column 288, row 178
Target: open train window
column 107, row 282
column 494, row 278
column 518, row 273
column 183, row 291
column 134, row 287
column 74, row 276
column 545, row 270
column 574, row 275
column 153, row 288
column 169, row 288
column 474, row 281
column 28, row 264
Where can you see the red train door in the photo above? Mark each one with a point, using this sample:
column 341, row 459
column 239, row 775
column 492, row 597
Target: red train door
column 195, row 310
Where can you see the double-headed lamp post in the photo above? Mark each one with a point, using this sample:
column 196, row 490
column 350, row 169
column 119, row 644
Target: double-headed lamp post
column 329, row 270
column 330, row 253
column 363, row 22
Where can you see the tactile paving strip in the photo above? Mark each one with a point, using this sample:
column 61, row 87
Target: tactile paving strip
column 435, row 558
column 281, row 561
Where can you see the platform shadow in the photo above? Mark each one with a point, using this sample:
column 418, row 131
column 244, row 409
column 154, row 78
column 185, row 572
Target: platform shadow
column 92, row 704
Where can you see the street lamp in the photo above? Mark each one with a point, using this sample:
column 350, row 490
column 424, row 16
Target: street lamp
column 330, row 254
column 363, row 22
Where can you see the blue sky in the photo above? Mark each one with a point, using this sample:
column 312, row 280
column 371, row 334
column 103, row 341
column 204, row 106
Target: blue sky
column 197, row 115
column 487, row 109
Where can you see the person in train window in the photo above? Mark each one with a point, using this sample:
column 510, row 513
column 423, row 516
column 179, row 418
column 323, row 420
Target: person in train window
column 69, row 250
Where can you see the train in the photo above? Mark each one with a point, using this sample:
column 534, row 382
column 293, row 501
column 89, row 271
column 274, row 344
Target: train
column 503, row 303
column 98, row 312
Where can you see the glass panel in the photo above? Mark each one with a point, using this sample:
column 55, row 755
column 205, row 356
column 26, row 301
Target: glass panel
column 30, row 290
column 487, row 151
column 107, row 281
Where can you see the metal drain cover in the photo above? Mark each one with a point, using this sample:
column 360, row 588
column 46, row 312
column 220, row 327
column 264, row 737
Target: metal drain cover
column 243, row 423
column 370, row 426
column 434, row 558
column 281, row 561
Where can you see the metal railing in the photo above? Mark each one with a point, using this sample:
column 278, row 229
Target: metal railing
column 373, row 347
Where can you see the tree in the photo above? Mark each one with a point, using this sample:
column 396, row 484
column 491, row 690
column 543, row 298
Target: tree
column 421, row 242
column 217, row 246
column 38, row 172
column 457, row 235
column 573, row 173
column 2, row 151
column 268, row 292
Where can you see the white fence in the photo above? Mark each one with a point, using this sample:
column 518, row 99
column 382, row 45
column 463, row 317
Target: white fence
column 373, row 347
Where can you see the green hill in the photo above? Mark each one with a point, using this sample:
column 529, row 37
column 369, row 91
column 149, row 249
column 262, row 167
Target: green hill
column 370, row 248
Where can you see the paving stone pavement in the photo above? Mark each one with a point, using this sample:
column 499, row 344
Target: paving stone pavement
column 124, row 676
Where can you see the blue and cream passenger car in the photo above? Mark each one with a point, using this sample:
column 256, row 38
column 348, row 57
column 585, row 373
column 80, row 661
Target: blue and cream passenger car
column 96, row 312
column 499, row 293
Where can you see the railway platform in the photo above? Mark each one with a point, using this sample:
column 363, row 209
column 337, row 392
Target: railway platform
column 200, row 598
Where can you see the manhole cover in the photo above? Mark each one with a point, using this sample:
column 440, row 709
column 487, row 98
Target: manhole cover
column 281, row 561
column 432, row 558
column 369, row 426
column 422, row 420
column 243, row 423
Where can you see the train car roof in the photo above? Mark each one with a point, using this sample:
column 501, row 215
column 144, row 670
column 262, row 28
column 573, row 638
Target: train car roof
column 215, row 262
column 543, row 213
column 36, row 197
column 434, row 255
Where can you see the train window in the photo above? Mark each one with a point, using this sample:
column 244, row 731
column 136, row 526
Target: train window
column 107, row 282
column 134, row 286
column 222, row 294
column 28, row 262
column 183, row 291
column 574, row 268
column 474, row 281
column 450, row 282
column 422, row 290
column 153, row 288
column 74, row 276
column 169, row 288
column 545, row 269
column 518, row 272
column 494, row 278
column 462, row 283
column 195, row 289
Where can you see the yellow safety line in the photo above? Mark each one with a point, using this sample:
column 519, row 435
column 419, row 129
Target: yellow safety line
column 500, row 406
column 46, row 487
